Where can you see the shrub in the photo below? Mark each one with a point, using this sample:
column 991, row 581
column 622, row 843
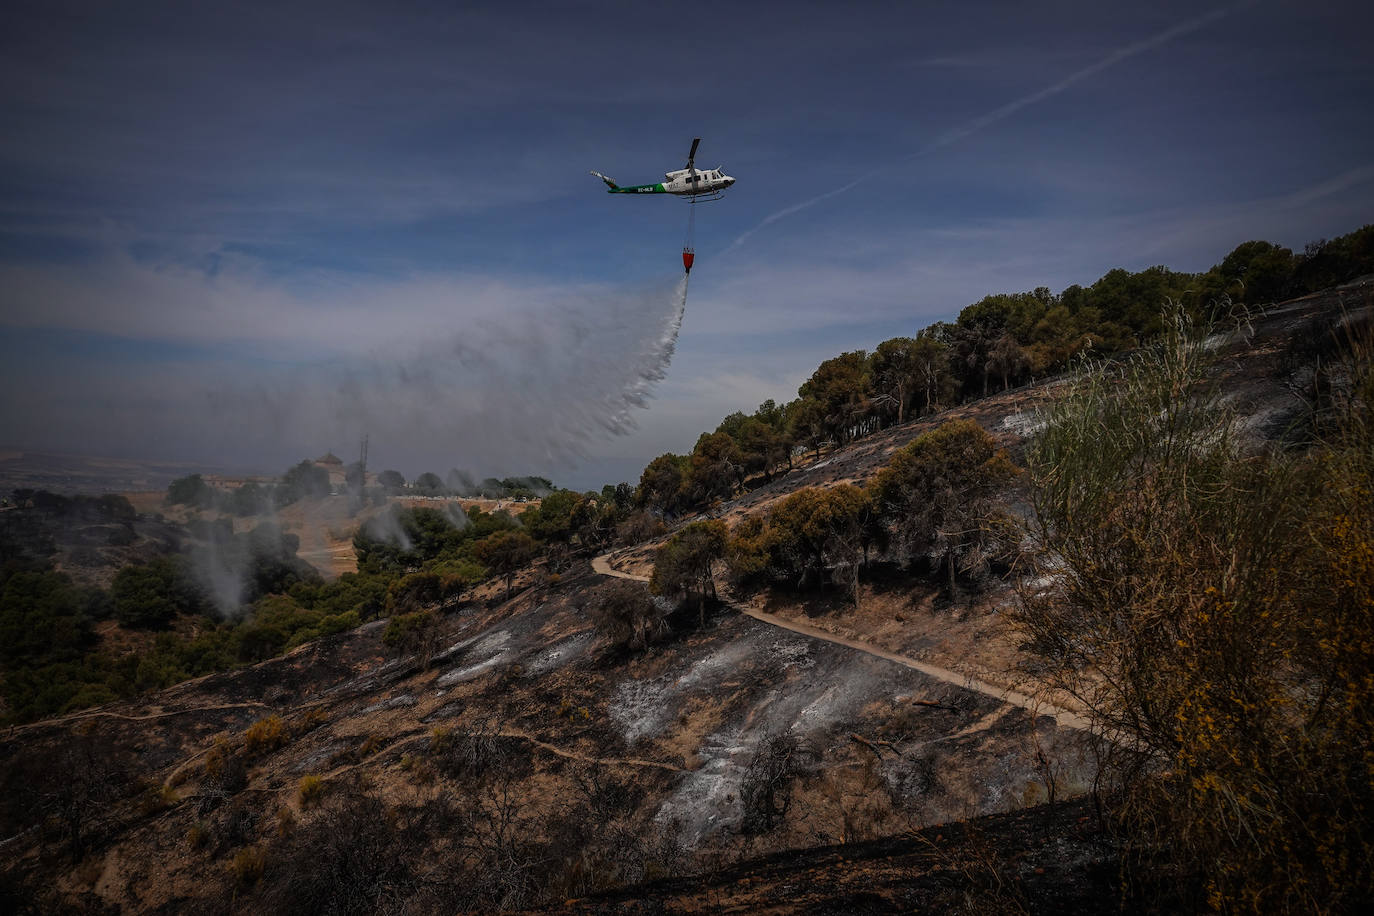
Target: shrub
column 626, row 614
column 248, row 866
column 766, row 788
column 686, row 564
column 311, row 790
column 414, row 592
column 416, row 634
column 505, row 553
column 440, row 740
column 157, row 798
column 286, row 821
column 1211, row 608
column 264, row 735
column 314, row 718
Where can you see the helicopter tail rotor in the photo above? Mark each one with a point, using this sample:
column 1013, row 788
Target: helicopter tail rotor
column 609, row 181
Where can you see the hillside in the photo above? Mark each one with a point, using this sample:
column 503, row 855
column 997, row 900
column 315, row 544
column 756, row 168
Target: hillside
column 511, row 757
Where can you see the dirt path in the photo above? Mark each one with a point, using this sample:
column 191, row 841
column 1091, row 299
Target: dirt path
column 1064, row 717
column 601, row 761
column 523, row 736
column 97, row 713
column 602, row 565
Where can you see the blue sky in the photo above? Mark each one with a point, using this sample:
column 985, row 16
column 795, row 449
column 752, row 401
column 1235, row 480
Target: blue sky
column 205, row 206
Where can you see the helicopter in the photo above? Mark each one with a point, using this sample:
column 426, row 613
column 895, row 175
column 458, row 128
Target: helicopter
column 688, row 181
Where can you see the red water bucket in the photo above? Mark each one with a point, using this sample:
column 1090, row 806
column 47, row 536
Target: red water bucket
column 687, row 258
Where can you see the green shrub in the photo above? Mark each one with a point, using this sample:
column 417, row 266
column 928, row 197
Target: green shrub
column 1212, row 611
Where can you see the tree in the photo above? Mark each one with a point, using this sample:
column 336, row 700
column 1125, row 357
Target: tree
column 715, row 468
column 969, row 343
column 621, row 496
column 593, row 520
column 626, row 614
column 686, row 564
column 44, row 617
column 1007, row 359
column 931, row 365
column 249, row 499
column 935, row 495
column 414, row 592
column 1256, row 272
column 895, row 373
column 306, row 480
column 505, row 553
column 429, row 484
column 806, row 420
column 762, row 448
column 391, row 481
column 150, row 596
column 191, row 490
column 552, row 521
column 661, row 484
column 356, row 477
column 817, row 531
column 841, row 387
column 813, row 535
column 766, row 788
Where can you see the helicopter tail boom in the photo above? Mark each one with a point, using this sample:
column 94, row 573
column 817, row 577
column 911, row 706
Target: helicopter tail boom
column 632, row 189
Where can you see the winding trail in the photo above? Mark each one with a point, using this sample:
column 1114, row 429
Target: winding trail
column 1063, row 717
column 100, row 713
column 520, row 735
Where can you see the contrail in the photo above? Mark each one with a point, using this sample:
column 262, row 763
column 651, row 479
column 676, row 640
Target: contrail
column 955, row 134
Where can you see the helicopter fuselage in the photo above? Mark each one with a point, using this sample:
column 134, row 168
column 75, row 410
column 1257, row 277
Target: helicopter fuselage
column 682, row 183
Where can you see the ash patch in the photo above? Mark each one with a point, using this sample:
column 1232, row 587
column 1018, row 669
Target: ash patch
column 792, row 654
column 559, row 654
column 642, row 709
column 495, row 646
column 705, row 800
column 1024, row 424
column 719, row 663
column 397, row 702
column 639, row 708
column 459, row 675
column 318, row 759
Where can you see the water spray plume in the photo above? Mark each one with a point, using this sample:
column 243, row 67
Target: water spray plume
column 530, row 389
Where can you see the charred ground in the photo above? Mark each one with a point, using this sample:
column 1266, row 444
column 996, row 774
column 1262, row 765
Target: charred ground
column 507, row 756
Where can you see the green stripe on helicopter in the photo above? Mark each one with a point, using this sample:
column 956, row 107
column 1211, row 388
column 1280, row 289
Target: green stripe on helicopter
column 641, row 189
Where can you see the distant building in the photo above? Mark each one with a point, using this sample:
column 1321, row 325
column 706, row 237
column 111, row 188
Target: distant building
column 335, row 466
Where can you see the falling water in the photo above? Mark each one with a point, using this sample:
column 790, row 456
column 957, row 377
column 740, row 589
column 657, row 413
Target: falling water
column 532, row 389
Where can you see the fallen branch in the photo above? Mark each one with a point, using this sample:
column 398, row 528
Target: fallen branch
column 873, row 745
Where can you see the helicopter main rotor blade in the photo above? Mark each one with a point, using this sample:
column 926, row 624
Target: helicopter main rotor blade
column 691, row 157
